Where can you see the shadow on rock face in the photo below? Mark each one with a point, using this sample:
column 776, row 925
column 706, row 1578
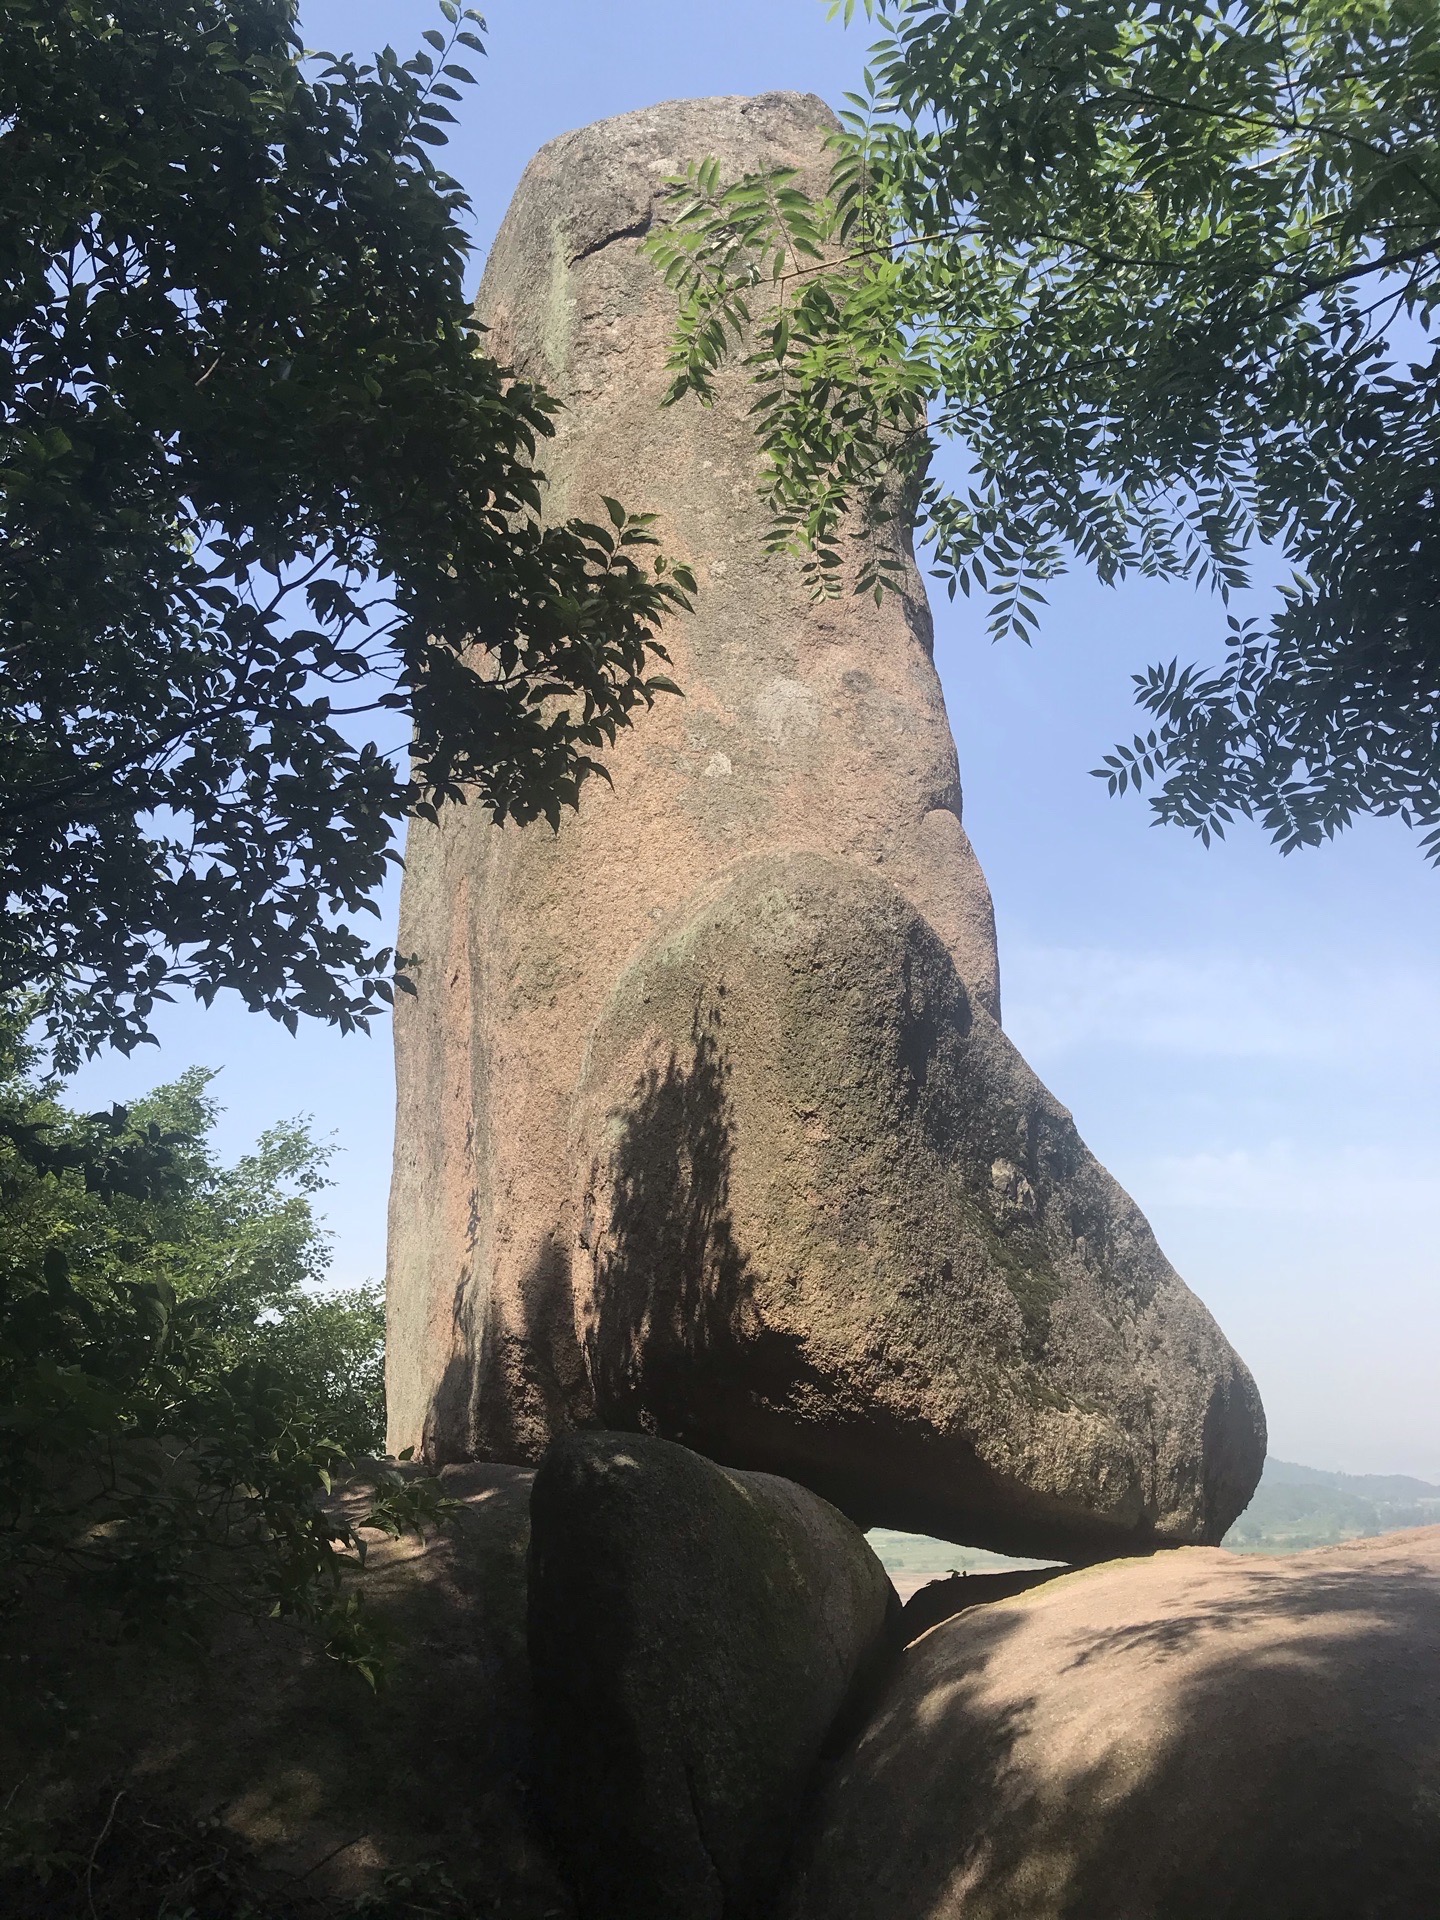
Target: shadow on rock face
column 673, row 1293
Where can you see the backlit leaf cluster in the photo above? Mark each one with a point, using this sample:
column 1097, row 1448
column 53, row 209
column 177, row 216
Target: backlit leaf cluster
column 1168, row 275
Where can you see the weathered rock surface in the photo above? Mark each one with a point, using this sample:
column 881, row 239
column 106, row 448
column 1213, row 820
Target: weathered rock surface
column 695, row 1634
column 915, row 1292
column 832, row 1225
column 260, row 1777
column 1193, row 1737
column 804, row 725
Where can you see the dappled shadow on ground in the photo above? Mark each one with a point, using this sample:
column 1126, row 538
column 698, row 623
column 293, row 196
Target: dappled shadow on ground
column 257, row 1777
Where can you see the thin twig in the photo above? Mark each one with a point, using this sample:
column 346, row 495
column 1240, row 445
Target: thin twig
column 99, row 1842
column 325, row 1859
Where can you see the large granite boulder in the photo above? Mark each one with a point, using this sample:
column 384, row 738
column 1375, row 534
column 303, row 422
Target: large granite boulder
column 1199, row 1736
column 831, row 1224
column 695, row 1636
column 805, row 724
column 932, row 1306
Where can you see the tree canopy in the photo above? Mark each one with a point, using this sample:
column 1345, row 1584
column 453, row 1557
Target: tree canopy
column 1169, row 273
column 260, row 484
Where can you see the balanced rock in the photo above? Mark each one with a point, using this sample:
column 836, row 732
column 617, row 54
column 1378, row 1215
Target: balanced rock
column 832, row 1224
column 695, row 1635
column 1200, row 1736
column 805, row 724
column 916, row 1294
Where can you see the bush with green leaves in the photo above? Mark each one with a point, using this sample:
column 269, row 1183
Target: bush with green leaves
column 1169, row 273
column 177, row 1390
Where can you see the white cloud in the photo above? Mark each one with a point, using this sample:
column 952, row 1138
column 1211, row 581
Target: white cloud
column 1216, row 1005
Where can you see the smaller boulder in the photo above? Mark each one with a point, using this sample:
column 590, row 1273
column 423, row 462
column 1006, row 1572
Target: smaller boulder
column 695, row 1635
column 1195, row 1737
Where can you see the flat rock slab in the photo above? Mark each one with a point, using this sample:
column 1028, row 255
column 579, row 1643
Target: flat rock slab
column 695, row 1635
column 1199, row 1736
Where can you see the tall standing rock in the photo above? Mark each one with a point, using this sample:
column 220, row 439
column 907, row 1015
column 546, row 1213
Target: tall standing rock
column 922, row 1297
column 804, row 725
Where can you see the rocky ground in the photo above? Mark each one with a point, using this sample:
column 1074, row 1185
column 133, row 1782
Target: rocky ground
column 637, row 1686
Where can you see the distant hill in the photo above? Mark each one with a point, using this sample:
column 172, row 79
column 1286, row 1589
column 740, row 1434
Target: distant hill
column 1294, row 1507
column 1297, row 1507
column 1398, row 1487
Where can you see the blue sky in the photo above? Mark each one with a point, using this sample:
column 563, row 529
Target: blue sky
column 1251, row 1044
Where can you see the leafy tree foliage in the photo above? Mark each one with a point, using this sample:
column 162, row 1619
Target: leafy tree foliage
column 1170, row 273
column 256, row 474
column 175, row 1393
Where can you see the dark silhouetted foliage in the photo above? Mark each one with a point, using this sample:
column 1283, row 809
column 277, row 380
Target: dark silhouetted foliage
column 256, row 475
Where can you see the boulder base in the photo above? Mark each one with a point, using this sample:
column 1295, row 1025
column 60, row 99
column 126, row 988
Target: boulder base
column 1195, row 1737
column 695, row 1635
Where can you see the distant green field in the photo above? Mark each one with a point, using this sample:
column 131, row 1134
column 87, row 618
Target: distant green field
column 1294, row 1508
column 911, row 1559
